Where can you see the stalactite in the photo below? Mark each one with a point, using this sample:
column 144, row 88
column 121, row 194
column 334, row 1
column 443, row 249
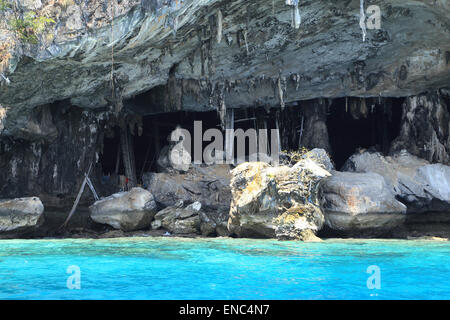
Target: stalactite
column 296, row 78
column 296, row 18
column 221, row 106
column 175, row 26
column 245, row 39
column 219, row 26
column 362, row 20
column 229, row 39
column 280, row 94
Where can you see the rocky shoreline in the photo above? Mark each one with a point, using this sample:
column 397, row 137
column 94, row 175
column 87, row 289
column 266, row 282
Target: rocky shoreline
column 399, row 196
column 102, row 85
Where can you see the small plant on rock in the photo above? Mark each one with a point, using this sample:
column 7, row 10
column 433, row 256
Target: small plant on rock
column 30, row 26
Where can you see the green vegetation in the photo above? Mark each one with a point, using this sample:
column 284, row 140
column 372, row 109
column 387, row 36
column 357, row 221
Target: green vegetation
column 4, row 4
column 30, row 26
column 27, row 27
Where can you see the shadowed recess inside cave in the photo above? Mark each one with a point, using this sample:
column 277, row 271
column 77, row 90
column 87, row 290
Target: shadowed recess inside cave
column 157, row 128
column 353, row 124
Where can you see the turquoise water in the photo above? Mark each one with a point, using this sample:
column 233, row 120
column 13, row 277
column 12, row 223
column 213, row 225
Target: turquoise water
column 174, row 268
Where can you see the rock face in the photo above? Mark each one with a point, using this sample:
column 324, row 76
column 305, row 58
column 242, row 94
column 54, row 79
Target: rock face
column 425, row 129
column 276, row 201
column 192, row 219
column 126, row 211
column 179, row 219
column 20, row 215
column 210, row 185
column 320, row 156
column 155, row 47
column 421, row 186
column 47, row 164
column 360, row 202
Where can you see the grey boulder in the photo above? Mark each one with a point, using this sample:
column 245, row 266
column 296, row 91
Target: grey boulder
column 360, row 202
column 209, row 185
column 20, row 215
column 421, row 186
column 127, row 211
column 178, row 219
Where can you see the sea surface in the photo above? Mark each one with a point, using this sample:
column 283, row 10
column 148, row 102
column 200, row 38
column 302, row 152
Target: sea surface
column 222, row 268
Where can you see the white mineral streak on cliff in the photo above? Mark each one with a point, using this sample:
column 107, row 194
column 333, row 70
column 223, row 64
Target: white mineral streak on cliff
column 219, row 26
column 362, row 20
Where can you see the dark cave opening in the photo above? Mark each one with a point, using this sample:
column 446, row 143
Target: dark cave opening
column 157, row 128
column 351, row 125
column 373, row 126
column 148, row 143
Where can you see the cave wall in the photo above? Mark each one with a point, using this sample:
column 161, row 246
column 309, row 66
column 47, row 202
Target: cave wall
column 203, row 55
column 251, row 56
column 425, row 128
column 50, row 166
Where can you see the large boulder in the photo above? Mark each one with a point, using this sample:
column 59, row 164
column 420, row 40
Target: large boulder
column 209, row 185
column 422, row 186
column 360, row 202
column 276, row 202
column 179, row 219
column 20, row 215
column 127, row 211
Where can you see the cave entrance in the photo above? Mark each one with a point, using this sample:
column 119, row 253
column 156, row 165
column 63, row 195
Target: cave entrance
column 355, row 123
column 152, row 134
column 147, row 141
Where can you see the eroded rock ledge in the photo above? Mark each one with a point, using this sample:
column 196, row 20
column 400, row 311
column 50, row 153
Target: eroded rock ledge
column 198, row 54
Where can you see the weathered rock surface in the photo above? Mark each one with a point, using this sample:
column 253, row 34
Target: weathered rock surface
column 174, row 158
column 20, row 215
column 321, row 157
column 276, row 201
column 179, row 219
column 51, row 166
column 421, row 186
column 425, row 129
column 210, row 185
column 190, row 54
column 127, row 211
column 360, row 202
column 214, row 223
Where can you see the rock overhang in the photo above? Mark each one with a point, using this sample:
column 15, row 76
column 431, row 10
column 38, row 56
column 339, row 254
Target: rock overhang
column 325, row 57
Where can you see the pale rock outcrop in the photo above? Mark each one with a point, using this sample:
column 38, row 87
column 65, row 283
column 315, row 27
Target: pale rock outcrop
column 127, row 211
column 20, row 215
column 360, row 202
column 321, row 157
column 421, row 186
column 276, row 202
